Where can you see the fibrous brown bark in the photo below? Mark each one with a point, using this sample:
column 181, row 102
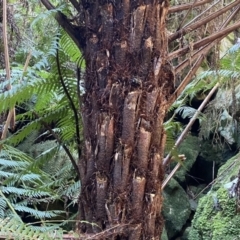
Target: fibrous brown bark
column 128, row 81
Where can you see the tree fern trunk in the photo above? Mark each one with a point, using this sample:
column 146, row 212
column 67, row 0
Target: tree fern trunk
column 128, row 83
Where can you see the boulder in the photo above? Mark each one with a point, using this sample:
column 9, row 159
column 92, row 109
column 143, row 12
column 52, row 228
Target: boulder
column 176, row 208
column 190, row 148
column 216, row 217
column 164, row 235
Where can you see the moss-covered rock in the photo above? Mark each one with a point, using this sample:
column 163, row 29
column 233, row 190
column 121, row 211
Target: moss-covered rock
column 176, row 208
column 212, row 152
column 185, row 235
column 190, row 148
column 164, row 235
column 216, row 217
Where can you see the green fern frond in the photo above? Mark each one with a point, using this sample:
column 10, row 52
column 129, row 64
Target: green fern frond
column 25, row 131
column 178, row 103
column 45, row 173
column 172, row 130
column 234, row 49
column 4, row 164
column 3, row 206
column 12, row 228
column 188, row 112
column 24, row 192
column 37, row 213
column 70, row 48
column 73, row 190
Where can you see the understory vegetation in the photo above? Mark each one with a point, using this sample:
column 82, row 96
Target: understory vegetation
column 39, row 182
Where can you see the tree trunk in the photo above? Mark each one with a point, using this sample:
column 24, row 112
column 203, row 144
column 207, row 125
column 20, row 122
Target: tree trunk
column 128, row 84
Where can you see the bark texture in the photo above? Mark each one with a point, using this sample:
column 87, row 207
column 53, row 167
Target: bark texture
column 128, row 84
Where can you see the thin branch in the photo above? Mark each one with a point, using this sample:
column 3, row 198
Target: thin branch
column 198, row 24
column 11, row 114
column 201, row 14
column 77, row 33
column 183, row 134
column 179, row 8
column 183, row 158
column 204, row 41
column 188, row 61
column 5, row 43
column 26, row 64
column 186, row 15
column 187, row 79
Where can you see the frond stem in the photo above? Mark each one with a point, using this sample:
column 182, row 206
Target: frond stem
column 76, row 33
column 202, row 50
column 204, row 41
column 193, row 26
column 75, row 4
column 11, row 114
column 71, row 104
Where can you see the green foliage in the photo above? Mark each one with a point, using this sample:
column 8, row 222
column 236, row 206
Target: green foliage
column 27, row 185
column 13, row 228
column 37, row 177
column 220, row 120
column 217, row 117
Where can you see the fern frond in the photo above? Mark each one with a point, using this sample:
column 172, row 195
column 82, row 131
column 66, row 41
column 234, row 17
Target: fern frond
column 188, row 112
column 70, row 48
column 12, row 228
column 11, row 163
column 3, row 206
column 73, row 191
column 37, row 213
column 24, row 192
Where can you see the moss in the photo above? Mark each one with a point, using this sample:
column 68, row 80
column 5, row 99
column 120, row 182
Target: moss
column 211, row 152
column 190, row 148
column 176, row 208
column 216, row 222
column 164, row 235
column 229, row 169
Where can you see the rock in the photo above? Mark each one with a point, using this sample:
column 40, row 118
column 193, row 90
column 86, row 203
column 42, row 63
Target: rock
column 210, row 156
column 214, row 152
column 190, row 148
column 216, row 217
column 185, row 235
column 164, row 235
column 176, row 208
column 222, row 116
column 228, row 127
